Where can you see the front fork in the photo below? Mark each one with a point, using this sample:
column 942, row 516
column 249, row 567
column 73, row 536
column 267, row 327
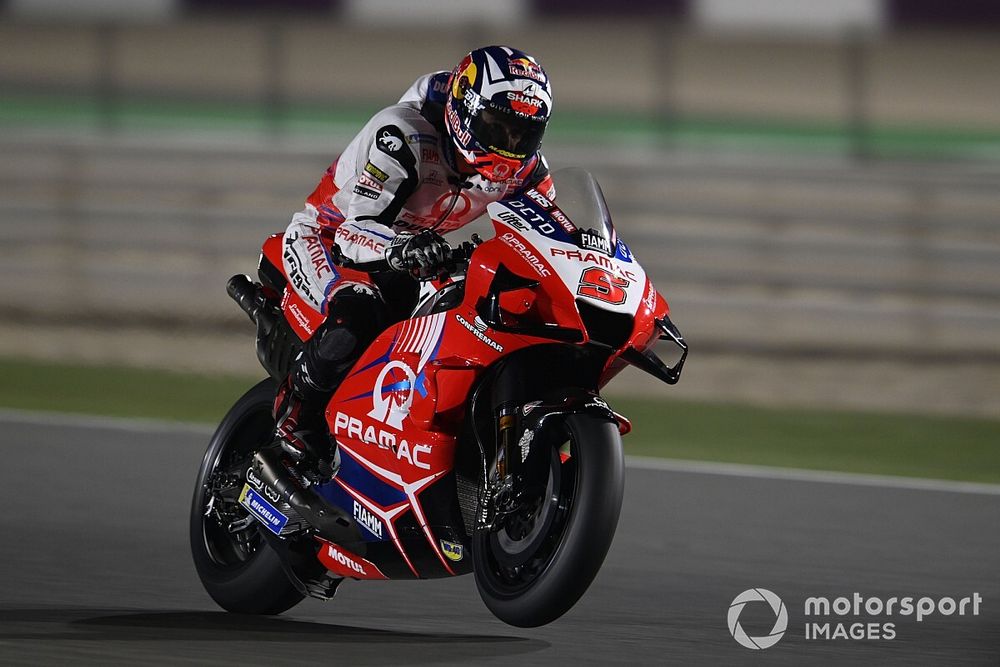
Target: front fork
column 518, row 428
column 507, row 471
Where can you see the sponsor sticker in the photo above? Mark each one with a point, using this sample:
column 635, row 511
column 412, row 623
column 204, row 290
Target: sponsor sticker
column 528, row 407
column 525, row 444
column 262, row 510
column 476, row 331
column 524, row 251
column 346, row 564
column 389, row 141
column 421, row 138
column 591, row 240
column 365, row 192
column 369, row 521
column 527, row 68
column 377, row 173
column 367, row 181
column 369, row 434
column 452, row 551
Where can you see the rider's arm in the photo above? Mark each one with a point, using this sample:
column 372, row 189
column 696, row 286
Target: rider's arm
column 539, row 180
column 307, row 263
column 372, row 201
column 356, row 217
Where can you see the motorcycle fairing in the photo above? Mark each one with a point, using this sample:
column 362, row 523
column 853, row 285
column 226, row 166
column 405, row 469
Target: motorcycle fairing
column 396, row 414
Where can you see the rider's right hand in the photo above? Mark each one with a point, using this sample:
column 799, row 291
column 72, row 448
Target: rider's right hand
column 418, row 254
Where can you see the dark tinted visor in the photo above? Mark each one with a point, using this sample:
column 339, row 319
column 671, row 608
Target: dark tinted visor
column 507, row 134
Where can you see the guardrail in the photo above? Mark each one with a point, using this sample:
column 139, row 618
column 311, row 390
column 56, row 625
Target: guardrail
column 809, row 259
column 852, row 84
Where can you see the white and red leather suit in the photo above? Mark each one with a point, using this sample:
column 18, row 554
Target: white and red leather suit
column 397, row 175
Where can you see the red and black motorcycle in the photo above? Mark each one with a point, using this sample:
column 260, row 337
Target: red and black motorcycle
column 472, row 436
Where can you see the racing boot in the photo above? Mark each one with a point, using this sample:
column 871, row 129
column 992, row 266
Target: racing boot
column 301, row 432
column 300, row 423
column 303, row 452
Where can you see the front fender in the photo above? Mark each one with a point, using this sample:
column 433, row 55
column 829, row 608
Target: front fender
column 574, row 400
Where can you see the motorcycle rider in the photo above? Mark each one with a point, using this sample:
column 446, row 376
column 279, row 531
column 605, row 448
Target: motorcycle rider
column 419, row 169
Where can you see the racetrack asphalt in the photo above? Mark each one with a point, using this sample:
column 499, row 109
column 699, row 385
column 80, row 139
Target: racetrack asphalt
column 95, row 569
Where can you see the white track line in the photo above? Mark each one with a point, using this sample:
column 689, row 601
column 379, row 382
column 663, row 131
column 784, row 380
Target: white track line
column 800, row 475
column 72, row 420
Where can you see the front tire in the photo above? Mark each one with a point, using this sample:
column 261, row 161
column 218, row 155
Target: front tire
column 580, row 510
column 238, row 569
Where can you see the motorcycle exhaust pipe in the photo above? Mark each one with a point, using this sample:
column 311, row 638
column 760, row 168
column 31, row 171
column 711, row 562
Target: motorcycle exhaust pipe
column 330, row 522
column 249, row 296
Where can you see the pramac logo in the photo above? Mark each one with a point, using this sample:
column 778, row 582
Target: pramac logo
column 392, row 393
column 391, row 402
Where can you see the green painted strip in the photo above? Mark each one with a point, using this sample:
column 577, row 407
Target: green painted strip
column 957, row 448
column 48, row 111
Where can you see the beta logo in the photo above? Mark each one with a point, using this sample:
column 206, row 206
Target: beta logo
column 452, row 551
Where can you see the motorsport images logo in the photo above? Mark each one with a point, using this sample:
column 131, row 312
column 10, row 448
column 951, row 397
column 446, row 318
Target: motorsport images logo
column 780, row 618
column 858, row 617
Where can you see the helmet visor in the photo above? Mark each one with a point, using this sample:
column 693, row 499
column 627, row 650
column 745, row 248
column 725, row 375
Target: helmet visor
column 504, row 133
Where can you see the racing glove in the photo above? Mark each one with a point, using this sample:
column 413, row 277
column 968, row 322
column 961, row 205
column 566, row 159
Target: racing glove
column 418, row 254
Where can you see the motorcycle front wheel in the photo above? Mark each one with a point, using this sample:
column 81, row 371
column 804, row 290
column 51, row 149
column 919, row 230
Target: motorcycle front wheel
column 534, row 565
column 236, row 566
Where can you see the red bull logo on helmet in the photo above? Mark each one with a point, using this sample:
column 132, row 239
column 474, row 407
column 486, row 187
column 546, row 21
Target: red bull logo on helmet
column 526, row 67
column 466, row 70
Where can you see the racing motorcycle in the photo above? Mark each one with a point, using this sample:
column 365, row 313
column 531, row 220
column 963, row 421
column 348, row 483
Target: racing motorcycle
column 471, row 437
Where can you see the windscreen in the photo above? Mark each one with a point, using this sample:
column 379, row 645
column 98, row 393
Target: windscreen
column 579, row 196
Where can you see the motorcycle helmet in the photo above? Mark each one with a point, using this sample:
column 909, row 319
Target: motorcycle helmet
column 499, row 101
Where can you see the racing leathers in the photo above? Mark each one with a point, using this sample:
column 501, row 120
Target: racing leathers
column 397, row 176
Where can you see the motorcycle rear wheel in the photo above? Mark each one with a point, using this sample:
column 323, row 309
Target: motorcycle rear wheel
column 532, row 572
column 238, row 570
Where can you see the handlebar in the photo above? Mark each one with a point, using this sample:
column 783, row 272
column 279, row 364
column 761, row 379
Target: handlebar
column 251, row 300
column 460, row 253
column 463, row 251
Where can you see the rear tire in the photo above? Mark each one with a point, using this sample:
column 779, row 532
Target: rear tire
column 589, row 490
column 242, row 575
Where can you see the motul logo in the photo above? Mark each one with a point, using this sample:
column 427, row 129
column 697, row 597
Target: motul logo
column 334, row 554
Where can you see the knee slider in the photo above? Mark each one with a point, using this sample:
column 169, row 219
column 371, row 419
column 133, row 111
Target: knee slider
column 337, row 345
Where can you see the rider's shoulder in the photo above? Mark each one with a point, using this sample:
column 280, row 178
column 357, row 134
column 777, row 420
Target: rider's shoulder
column 397, row 128
column 432, row 87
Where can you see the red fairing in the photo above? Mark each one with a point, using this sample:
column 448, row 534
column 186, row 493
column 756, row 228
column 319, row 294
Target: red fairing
column 398, row 413
column 342, row 562
column 653, row 307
